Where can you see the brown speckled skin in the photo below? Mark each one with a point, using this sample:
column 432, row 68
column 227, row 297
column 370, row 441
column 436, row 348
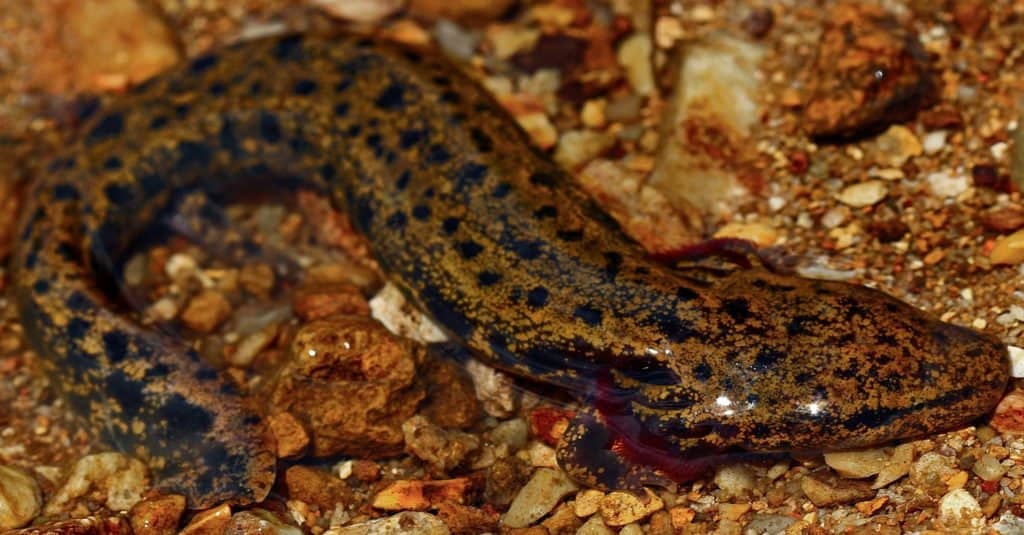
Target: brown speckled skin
column 488, row 236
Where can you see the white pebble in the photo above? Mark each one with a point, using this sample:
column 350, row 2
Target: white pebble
column 957, row 504
column 1016, row 361
column 863, row 194
column 775, row 203
column 942, row 184
column 933, row 142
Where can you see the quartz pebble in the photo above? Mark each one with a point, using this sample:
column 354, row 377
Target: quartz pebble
column 20, row 497
column 119, row 479
column 943, row 184
column 538, row 497
column 957, row 505
column 1016, row 361
column 864, row 193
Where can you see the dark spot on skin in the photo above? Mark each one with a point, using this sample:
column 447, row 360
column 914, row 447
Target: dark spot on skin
column 193, row 155
column 203, row 63
column 217, row 89
column 341, row 109
column 612, row 264
column 537, row 297
column 541, row 178
column 180, row 413
column 702, row 372
column 738, row 309
column 206, row 373
column 354, row 130
column 469, row 249
column 227, row 137
column 483, row 142
column 65, row 192
column 527, row 249
column 328, row 172
column 41, row 287
column 108, row 127
column 305, row 87
column 78, row 302
column 450, row 225
column 77, row 327
column 157, row 370
column 373, row 142
column 456, row 119
column 392, row 97
column 113, row 163
column 151, row 184
column 127, row 391
column 545, row 212
column 158, row 122
column 69, row 252
column 396, row 221
column 421, row 212
column 115, row 344
column 411, row 137
column 181, row 110
column 343, row 85
column 570, row 235
column 767, row 359
column 289, row 48
column 363, row 213
column 684, row 294
column 119, row 194
column 445, row 312
column 501, row 190
column 256, row 88
column 488, row 278
column 437, row 155
column 893, row 307
column 403, row 180
column 672, row 327
column 799, row 325
column 589, row 315
column 450, row 97
column 270, row 127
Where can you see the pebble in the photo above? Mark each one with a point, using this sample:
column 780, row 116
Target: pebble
column 455, row 41
column 514, row 433
column 932, row 470
column 538, row 497
column 594, row 526
column 577, row 147
column 826, row 493
column 588, row 502
column 958, row 505
column 257, row 279
column 20, row 497
column 988, row 468
column 897, row 466
column 759, row 233
column 1016, row 361
column 856, row 464
column 896, row 145
column 415, row 495
column 735, row 480
column 361, row 11
column 209, row 522
column 206, row 311
column 1008, row 249
column 391, row 309
column 621, row 508
column 933, row 142
column 315, row 487
column 506, row 41
column 943, row 184
column 1009, row 414
column 463, row 11
column 441, row 448
column 290, row 436
column 407, row 522
column 259, row 522
column 635, row 58
column 864, row 193
column 157, row 516
column 119, row 479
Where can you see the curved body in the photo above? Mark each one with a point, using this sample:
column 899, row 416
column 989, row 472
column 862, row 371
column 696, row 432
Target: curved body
column 489, row 237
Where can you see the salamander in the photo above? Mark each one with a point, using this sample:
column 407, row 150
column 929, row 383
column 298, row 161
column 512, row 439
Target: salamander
column 676, row 366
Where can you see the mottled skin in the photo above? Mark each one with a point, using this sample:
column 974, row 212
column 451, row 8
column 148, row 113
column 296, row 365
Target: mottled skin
column 491, row 238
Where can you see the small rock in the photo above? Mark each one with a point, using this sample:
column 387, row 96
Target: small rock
column 408, row 522
column 118, row 479
column 362, row 11
column 538, row 497
column 592, row 115
column 539, row 127
column 986, row 176
column 257, row 279
column 864, row 193
column 514, row 433
column 90, row 525
column 1008, row 249
column 933, row 142
column 931, row 471
column 20, row 497
column 313, row 301
column 971, row 16
column 508, row 40
column 157, row 516
column 896, row 145
column 206, row 311
column 577, row 147
column 1003, row 219
column 405, row 495
column 473, row 12
column 828, row 493
column 942, row 184
column 315, row 487
column 635, row 56
column 440, row 448
column 451, row 401
column 209, row 522
column 759, row 233
column 870, row 72
column 259, row 522
column 957, row 505
column 456, row 41
column 504, row 479
column 465, row 519
column 1009, row 414
column 594, row 526
column 391, row 309
column 1016, row 358
column 856, row 464
column 735, row 480
column 552, row 51
column 334, row 361
column 989, row 468
column 897, row 466
column 588, row 502
column 289, row 435
column 621, row 508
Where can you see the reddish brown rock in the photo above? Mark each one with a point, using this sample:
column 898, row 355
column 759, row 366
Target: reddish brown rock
column 351, row 384
column 870, row 72
column 315, row 487
column 157, row 516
